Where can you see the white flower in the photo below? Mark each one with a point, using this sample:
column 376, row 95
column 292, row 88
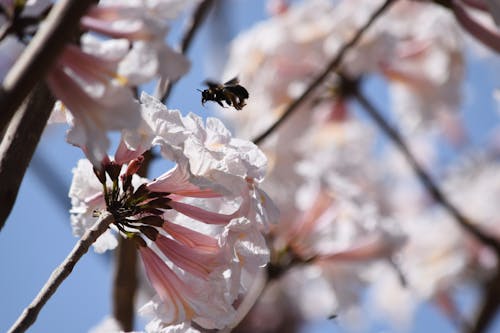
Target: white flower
column 198, row 226
column 209, row 150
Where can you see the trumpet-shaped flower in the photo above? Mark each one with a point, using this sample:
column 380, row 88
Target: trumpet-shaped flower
column 198, row 226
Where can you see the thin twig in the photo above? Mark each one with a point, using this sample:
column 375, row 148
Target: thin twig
column 194, row 24
column 30, row 314
column 164, row 88
column 60, row 26
column 332, row 65
column 490, row 304
column 422, row 175
column 19, row 144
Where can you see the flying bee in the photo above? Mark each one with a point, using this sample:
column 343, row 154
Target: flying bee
column 230, row 92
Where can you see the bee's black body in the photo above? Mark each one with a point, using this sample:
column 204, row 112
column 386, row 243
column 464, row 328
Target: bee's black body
column 230, row 92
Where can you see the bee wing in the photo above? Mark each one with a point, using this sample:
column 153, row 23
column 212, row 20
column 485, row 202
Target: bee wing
column 238, row 90
column 233, row 82
column 211, row 84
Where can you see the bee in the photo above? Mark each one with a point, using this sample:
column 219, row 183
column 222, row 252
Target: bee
column 230, row 92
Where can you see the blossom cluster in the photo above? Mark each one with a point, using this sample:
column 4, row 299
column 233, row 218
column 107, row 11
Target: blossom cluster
column 198, row 227
column 347, row 219
column 358, row 219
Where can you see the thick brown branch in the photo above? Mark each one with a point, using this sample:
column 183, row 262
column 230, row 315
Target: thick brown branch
column 163, row 89
column 332, row 66
column 33, row 64
column 125, row 284
column 29, row 315
column 19, row 144
column 422, row 175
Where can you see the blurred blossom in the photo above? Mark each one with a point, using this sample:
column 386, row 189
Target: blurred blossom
column 347, row 218
column 198, row 227
column 277, row 58
column 95, row 80
column 353, row 215
column 432, row 264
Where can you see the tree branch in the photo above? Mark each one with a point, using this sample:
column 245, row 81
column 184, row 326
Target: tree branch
column 125, row 284
column 29, row 315
column 489, row 304
column 60, row 26
column 19, row 144
column 332, row 65
column 164, row 88
column 422, row 175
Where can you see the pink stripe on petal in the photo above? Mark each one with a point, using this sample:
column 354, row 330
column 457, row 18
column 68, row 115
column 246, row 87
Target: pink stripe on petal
column 191, row 238
column 69, row 92
column 176, row 181
column 124, row 155
column 196, row 262
column 168, row 285
column 201, row 214
column 110, row 12
column 372, row 247
column 88, row 65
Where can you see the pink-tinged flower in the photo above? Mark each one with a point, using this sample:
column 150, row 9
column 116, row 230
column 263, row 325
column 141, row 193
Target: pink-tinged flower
column 198, row 226
column 185, row 298
column 94, row 80
column 96, row 97
column 212, row 158
column 145, row 25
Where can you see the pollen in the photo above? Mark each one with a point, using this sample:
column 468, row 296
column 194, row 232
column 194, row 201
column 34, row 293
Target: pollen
column 122, row 80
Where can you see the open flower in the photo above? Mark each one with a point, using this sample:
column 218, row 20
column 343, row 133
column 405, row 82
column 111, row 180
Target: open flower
column 198, row 226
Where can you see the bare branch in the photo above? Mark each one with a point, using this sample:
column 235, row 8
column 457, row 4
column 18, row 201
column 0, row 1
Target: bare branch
column 34, row 63
column 164, row 88
column 490, row 304
column 422, row 175
column 332, row 66
column 19, row 144
column 29, row 315
column 125, row 284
